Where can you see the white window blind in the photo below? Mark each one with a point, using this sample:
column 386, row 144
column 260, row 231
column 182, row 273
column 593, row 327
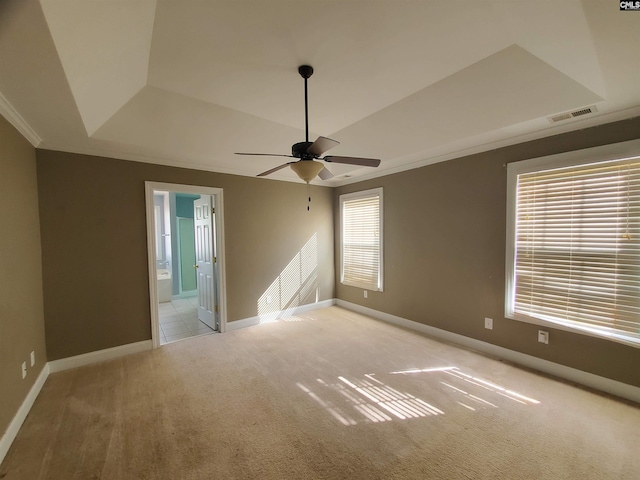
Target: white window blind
column 577, row 247
column 361, row 239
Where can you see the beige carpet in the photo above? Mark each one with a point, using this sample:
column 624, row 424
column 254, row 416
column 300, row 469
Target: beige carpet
column 326, row 395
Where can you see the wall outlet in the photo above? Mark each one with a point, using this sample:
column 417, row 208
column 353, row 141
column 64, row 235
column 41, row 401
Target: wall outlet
column 33, row 358
column 543, row 337
column 24, row 370
column 366, row 294
column 488, row 323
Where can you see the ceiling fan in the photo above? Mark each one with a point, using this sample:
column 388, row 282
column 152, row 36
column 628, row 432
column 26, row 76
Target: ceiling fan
column 306, row 167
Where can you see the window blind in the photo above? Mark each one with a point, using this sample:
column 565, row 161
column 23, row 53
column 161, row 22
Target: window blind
column 578, row 247
column 361, row 245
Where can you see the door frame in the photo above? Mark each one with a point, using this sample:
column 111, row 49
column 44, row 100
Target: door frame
column 150, row 187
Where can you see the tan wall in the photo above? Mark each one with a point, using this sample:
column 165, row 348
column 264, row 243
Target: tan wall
column 94, row 247
column 21, row 317
column 444, row 253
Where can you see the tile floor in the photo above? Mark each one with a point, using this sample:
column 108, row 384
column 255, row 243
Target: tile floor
column 179, row 319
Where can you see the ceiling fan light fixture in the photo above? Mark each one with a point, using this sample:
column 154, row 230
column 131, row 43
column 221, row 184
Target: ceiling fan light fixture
column 307, row 170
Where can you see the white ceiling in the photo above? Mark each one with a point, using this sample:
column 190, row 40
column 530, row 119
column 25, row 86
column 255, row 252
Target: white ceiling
column 188, row 83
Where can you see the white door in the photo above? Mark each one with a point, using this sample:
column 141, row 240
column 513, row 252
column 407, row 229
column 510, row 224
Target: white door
column 205, row 260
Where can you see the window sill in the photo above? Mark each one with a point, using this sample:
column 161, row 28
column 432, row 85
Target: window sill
column 370, row 288
column 613, row 337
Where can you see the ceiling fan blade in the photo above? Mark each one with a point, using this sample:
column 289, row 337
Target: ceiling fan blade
column 325, row 174
column 321, row 145
column 264, row 154
column 280, row 167
column 365, row 162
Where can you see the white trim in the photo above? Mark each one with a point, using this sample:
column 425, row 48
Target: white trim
column 244, row 323
column 151, row 249
column 221, row 262
column 57, row 366
column 600, row 383
column 372, row 192
column 604, row 153
column 428, row 157
column 611, row 152
column 14, row 118
column 547, row 131
column 98, row 356
column 152, row 264
column 253, row 321
column 110, row 354
column 157, row 158
column 578, row 376
column 18, row 419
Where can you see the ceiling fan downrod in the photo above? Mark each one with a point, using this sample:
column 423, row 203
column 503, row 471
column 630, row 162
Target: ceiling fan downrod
column 305, row 72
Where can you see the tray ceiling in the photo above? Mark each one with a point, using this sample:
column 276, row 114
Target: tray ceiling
column 188, row 82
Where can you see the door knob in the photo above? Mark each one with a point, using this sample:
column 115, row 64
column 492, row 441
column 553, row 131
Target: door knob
column 196, row 266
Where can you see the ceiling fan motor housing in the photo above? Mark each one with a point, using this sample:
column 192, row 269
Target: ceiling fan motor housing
column 299, row 150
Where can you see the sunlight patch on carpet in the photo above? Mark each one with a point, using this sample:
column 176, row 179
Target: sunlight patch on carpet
column 484, row 384
column 368, row 399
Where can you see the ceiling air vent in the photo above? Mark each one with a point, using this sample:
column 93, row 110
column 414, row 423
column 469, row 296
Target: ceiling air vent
column 569, row 115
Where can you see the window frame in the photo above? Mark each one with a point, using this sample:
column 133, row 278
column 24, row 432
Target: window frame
column 373, row 192
column 617, row 151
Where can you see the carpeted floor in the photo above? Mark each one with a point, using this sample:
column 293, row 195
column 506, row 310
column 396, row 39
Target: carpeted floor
column 326, row 395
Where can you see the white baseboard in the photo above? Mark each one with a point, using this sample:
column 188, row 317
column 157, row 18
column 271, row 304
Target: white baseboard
column 57, row 366
column 594, row 381
column 244, row 323
column 98, row 356
column 597, row 382
column 14, row 427
column 275, row 316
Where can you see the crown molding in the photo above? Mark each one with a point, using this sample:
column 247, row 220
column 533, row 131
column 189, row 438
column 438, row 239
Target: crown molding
column 577, row 124
column 14, row 118
column 158, row 159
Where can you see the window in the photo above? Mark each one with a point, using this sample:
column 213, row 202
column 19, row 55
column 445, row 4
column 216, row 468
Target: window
column 573, row 245
column 361, row 216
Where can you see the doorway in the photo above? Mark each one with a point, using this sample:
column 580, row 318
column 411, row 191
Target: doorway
column 185, row 243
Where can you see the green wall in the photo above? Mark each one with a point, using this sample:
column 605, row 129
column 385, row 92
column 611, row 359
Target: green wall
column 184, row 204
column 187, row 253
